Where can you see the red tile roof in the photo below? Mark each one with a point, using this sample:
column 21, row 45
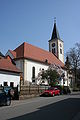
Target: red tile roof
column 6, row 65
column 29, row 51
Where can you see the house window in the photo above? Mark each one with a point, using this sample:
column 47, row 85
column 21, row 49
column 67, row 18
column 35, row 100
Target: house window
column 42, row 69
column 53, row 45
column 5, row 84
column 53, row 51
column 12, row 84
column 60, row 51
column 33, row 72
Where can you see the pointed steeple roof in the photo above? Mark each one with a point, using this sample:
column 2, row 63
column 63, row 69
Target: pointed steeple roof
column 55, row 33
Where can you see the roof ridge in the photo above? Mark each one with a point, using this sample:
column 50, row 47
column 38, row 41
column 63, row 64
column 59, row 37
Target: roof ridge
column 27, row 50
column 36, row 47
column 18, row 46
column 24, row 43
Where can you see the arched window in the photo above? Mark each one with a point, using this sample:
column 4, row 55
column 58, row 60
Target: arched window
column 60, row 51
column 60, row 45
column 33, row 72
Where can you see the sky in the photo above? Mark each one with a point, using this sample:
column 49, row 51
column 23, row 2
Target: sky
column 32, row 21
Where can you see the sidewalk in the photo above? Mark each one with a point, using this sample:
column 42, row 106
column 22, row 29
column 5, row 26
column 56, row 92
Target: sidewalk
column 19, row 102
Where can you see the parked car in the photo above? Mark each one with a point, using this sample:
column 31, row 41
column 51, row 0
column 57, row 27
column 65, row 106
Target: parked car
column 7, row 89
column 63, row 90
column 66, row 90
column 52, row 91
column 5, row 99
column 13, row 92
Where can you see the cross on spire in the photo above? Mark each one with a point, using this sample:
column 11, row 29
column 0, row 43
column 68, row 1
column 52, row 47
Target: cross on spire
column 55, row 33
column 54, row 19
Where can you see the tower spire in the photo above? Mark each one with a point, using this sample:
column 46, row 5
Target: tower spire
column 55, row 33
column 56, row 44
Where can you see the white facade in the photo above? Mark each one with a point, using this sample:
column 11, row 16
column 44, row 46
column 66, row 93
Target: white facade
column 38, row 68
column 9, row 77
column 26, row 67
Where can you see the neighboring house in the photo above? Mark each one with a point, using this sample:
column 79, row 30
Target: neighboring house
column 31, row 59
column 9, row 73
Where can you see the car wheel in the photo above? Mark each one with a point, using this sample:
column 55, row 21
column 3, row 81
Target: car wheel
column 53, row 94
column 8, row 102
column 58, row 93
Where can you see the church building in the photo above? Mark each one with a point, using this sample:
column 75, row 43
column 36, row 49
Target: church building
column 31, row 59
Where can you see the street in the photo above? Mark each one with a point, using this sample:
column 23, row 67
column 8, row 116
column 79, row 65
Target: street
column 63, row 107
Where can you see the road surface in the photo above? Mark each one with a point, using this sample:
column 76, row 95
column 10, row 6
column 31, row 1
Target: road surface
column 63, row 107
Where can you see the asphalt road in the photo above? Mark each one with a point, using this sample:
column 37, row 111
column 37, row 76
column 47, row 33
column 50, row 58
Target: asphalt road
column 64, row 107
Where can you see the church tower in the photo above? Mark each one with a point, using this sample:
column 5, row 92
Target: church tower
column 56, row 44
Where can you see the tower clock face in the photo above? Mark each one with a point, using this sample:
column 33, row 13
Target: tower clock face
column 53, row 44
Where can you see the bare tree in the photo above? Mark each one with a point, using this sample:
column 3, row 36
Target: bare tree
column 74, row 59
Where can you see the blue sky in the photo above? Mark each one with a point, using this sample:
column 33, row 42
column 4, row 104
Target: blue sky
column 32, row 21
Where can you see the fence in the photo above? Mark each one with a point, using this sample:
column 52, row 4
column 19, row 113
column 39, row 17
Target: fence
column 30, row 91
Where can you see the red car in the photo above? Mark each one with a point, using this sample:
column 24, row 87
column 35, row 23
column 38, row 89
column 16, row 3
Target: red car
column 52, row 91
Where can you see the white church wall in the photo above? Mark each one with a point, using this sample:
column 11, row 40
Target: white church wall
column 38, row 67
column 27, row 65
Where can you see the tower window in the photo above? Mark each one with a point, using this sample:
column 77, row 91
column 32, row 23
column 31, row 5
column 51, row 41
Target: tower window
column 53, row 51
column 60, row 51
column 60, row 45
column 33, row 72
column 53, row 45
